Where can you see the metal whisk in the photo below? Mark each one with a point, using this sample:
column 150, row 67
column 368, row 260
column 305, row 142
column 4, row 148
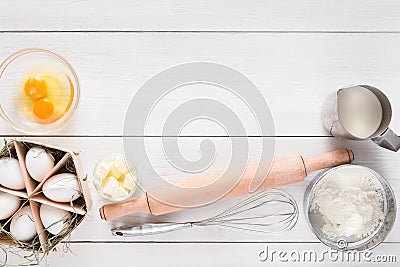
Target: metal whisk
column 273, row 212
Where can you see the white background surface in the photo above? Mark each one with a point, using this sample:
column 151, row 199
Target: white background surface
column 296, row 52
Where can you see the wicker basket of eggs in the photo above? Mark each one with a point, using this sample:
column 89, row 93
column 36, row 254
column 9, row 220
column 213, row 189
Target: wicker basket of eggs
column 43, row 195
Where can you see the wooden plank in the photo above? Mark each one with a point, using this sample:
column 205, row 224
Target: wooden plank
column 203, row 254
column 294, row 72
column 93, row 149
column 225, row 15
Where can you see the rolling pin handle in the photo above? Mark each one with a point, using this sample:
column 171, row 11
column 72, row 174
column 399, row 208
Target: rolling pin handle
column 328, row 160
column 116, row 210
column 295, row 167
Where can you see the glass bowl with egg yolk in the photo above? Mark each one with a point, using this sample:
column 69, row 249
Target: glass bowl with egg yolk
column 39, row 91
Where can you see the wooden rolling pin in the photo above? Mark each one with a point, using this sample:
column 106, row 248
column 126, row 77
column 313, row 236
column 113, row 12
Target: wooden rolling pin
column 283, row 171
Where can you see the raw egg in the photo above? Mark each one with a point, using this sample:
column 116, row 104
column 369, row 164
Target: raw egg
column 9, row 204
column 47, row 96
column 35, row 88
column 62, row 187
column 43, row 108
column 11, row 174
column 39, row 163
column 56, row 221
column 23, row 225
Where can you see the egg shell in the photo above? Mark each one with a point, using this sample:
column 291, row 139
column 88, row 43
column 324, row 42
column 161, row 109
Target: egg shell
column 54, row 220
column 62, row 187
column 22, row 225
column 10, row 174
column 38, row 163
column 9, row 204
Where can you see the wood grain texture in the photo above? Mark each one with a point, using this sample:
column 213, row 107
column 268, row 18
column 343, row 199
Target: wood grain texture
column 212, row 255
column 283, row 171
column 294, row 72
column 295, row 52
column 93, row 148
column 224, row 15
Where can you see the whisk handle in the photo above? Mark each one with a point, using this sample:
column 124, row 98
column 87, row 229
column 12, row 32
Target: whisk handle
column 149, row 229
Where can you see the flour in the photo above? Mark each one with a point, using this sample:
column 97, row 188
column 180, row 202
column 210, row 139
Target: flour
column 350, row 201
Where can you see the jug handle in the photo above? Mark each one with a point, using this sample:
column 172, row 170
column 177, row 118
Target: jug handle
column 388, row 140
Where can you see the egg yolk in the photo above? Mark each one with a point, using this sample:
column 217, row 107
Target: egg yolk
column 35, row 88
column 43, row 108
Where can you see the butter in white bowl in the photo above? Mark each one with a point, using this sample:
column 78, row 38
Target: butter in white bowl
column 114, row 179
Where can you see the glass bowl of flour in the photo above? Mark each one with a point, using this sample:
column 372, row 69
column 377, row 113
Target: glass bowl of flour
column 350, row 207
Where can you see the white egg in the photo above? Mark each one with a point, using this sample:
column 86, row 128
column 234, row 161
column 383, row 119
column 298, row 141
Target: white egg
column 54, row 220
column 62, row 187
column 9, row 204
column 23, row 225
column 10, row 174
column 38, row 163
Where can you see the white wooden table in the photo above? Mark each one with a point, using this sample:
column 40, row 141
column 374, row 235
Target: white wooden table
column 296, row 52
